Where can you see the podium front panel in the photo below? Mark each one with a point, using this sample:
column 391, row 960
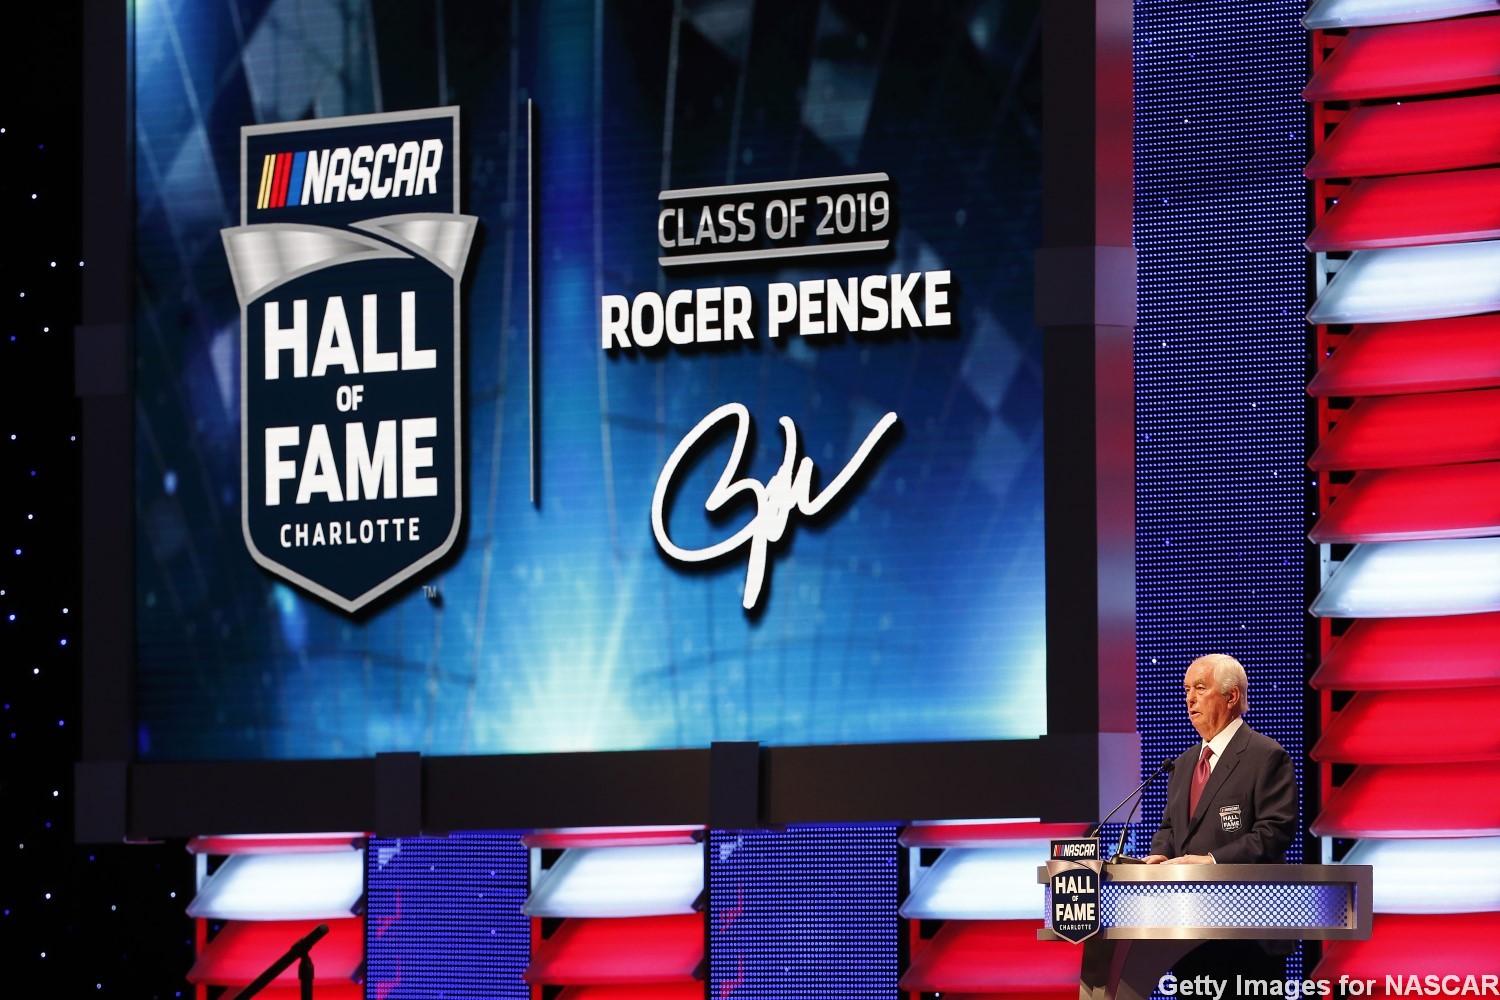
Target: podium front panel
column 1205, row 902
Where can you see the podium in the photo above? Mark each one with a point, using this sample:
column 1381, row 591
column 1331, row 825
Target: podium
column 1152, row 915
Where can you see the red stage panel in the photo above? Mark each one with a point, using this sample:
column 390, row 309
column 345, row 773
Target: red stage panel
column 1406, row 60
column 655, row 991
column 1410, row 727
column 294, row 844
column 348, row 991
column 1393, row 505
column 1412, row 211
column 603, row 951
column 244, row 948
column 1380, row 359
column 1408, row 944
column 1403, row 654
column 607, row 837
column 986, row 834
column 1413, row 137
column 1437, row 428
column 978, row 956
column 1416, row 800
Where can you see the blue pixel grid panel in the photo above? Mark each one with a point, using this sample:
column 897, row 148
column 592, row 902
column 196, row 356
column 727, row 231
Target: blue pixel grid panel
column 808, row 913
column 443, row 918
column 1220, row 367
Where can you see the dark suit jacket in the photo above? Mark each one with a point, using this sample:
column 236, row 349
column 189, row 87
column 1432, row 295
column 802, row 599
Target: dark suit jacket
column 1248, row 812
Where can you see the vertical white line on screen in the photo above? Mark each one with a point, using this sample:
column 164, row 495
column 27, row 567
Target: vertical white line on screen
column 531, row 277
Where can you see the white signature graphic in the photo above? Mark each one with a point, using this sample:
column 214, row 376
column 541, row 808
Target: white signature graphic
column 774, row 500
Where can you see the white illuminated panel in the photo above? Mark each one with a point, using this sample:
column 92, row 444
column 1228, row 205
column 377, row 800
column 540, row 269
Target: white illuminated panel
column 322, row 886
column 1454, row 875
column 980, row 883
column 620, row 882
column 1408, row 283
column 1414, row 579
column 1355, row 13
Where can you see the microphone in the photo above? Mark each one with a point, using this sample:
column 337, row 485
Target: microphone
column 1166, row 765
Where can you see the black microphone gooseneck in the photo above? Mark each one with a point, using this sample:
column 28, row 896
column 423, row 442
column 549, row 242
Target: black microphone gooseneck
column 1166, row 765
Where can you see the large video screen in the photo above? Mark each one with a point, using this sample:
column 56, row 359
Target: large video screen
column 564, row 376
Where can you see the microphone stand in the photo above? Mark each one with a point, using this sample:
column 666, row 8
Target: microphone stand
column 296, row 953
column 1166, row 765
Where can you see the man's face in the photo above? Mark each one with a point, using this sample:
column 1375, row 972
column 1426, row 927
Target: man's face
column 1208, row 710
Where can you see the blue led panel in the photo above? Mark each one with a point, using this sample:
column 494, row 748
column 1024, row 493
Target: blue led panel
column 809, row 912
column 443, row 918
column 1220, row 365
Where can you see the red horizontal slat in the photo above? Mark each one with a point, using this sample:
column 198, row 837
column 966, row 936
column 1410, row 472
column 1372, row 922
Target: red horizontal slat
column 1415, row 800
column 1416, row 945
column 1413, row 137
column 984, row 834
column 1438, row 428
column 978, row 956
column 1414, row 210
column 1393, row 505
column 1406, row 60
column 243, row 949
column 653, row 991
column 339, row 991
column 300, row 844
column 598, row 951
column 561, row 839
column 1406, row 654
column 1432, row 355
column 1362, row 731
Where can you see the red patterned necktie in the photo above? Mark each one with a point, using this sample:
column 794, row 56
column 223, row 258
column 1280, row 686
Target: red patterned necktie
column 1200, row 778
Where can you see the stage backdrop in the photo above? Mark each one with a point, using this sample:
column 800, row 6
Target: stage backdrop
column 773, row 259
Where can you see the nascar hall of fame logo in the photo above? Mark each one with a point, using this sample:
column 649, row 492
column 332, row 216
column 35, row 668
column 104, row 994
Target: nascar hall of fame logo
column 1073, row 876
column 347, row 265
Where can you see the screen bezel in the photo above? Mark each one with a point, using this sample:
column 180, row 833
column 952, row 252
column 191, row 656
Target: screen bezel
column 1085, row 301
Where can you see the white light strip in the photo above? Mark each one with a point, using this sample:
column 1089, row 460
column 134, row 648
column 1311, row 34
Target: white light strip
column 1407, row 283
column 1454, row 875
column 1414, row 579
column 620, row 882
column 980, row 883
column 1357, row 13
column 323, row 886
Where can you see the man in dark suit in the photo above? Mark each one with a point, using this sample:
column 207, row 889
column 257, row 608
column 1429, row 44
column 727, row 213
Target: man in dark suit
column 1232, row 799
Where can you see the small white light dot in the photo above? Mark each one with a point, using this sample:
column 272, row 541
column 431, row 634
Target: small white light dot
column 65, row 610
column 172, row 894
column 111, row 907
column 53, row 264
column 36, row 670
column 46, row 895
column 54, row 793
column 33, row 196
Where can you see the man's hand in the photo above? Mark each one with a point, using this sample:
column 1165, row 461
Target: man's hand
column 1154, row 859
column 1190, row 859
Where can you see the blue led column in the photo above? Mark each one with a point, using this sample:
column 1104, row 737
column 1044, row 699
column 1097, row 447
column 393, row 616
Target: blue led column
column 443, row 918
column 1220, row 365
column 809, row 912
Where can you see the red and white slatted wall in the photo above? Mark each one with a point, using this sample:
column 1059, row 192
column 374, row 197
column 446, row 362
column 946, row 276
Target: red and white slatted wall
column 268, row 893
column 1406, row 182
column 974, row 911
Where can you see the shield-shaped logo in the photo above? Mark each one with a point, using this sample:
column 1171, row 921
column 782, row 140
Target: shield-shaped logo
column 1075, row 903
column 347, row 267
